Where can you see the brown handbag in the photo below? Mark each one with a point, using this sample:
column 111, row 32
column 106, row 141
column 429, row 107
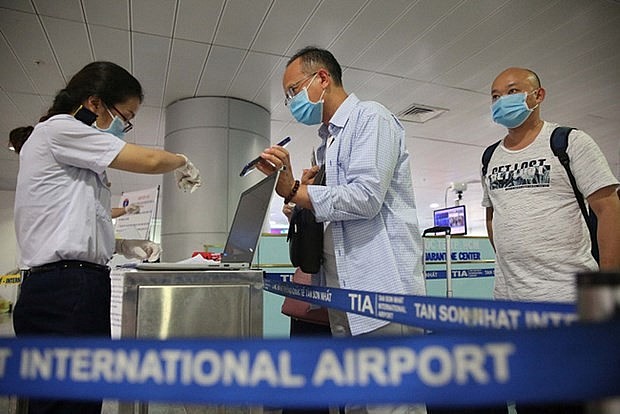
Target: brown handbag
column 301, row 310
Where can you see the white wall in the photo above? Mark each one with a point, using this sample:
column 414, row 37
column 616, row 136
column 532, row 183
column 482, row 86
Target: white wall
column 8, row 244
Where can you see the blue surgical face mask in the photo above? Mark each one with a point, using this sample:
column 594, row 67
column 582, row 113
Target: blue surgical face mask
column 116, row 127
column 511, row 111
column 304, row 110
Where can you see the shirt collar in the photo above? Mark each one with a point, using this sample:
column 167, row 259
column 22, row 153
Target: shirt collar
column 340, row 117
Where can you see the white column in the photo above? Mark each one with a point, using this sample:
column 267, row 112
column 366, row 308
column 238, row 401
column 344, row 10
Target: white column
column 219, row 135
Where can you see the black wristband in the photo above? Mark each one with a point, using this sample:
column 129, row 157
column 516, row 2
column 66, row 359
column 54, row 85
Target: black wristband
column 293, row 192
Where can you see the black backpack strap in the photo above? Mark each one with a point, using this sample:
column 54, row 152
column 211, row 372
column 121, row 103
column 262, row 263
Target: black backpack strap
column 559, row 144
column 486, row 157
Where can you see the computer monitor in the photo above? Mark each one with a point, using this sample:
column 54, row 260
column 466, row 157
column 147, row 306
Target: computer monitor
column 453, row 217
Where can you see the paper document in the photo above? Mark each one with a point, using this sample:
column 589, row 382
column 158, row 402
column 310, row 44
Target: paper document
column 198, row 259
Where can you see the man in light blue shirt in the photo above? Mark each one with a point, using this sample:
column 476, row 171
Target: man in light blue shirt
column 368, row 201
column 372, row 241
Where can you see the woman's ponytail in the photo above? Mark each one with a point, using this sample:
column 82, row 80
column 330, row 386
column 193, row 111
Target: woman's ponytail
column 18, row 137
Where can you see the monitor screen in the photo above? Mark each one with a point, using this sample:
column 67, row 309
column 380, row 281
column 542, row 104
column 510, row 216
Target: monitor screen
column 453, row 217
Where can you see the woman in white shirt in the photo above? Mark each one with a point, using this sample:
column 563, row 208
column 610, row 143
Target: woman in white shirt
column 62, row 208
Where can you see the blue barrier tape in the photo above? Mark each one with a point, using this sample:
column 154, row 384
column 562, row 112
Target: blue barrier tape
column 435, row 274
column 460, row 273
column 430, row 312
column 463, row 369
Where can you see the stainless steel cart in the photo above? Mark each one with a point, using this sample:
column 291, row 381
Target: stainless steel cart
column 174, row 304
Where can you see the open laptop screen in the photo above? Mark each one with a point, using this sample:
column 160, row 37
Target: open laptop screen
column 248, row 222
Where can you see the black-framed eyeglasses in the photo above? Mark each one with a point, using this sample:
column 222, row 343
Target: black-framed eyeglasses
column 290, row 92
column 128, row 124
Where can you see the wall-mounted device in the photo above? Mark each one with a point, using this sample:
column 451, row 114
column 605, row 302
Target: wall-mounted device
column 453, row 217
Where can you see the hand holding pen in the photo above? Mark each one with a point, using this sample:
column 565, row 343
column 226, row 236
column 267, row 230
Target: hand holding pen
column 277, row 158
column 251, row 166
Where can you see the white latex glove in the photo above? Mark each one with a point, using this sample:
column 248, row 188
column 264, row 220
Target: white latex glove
column 138, row 249
column 132, row 209
column 187, row 176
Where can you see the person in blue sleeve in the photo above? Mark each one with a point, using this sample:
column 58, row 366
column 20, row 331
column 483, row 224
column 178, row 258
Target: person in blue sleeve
column 372, row 240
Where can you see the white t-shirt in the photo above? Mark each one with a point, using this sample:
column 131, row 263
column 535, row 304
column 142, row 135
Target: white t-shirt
column 540, row 235
column 62, row 199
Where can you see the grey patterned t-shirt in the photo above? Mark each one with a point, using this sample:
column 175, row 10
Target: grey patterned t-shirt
column 540, row 236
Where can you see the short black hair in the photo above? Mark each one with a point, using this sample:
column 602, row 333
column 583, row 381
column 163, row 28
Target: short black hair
column 313, row 58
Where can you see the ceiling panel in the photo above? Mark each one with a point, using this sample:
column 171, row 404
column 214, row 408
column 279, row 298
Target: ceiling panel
column 162, row 128
column 32, row 107
column 10, row 80
column 326, row 23
column 8, row 171
column 402, row 94
column 374, row 85
column 28, row 41
column 369, row 24
column 527, row 43
column 447, row 32
column 396, row 51
column 70, row 44
column 11, row 115
column 186, row 63
column 249, row 13
column 438, row 53
column 198, row 19
column 153, row 16
column 270, row 94
column 476, row 72
column 282, row 25
column 222, row 64
column 146, row 127
column 114, row 14
column 113, row 45
column 20, row 5
column 64, row 9
column 151, row 59
column 476, row 32
column 255, row 69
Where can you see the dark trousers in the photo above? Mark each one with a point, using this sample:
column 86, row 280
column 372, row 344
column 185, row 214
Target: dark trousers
column 64, row 302
column 301, row 329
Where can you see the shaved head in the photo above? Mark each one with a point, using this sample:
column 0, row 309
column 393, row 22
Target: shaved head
column 520, row 81
column 523, row 74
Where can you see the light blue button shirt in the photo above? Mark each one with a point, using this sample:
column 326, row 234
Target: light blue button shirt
column 369, row 200
column 62, row 198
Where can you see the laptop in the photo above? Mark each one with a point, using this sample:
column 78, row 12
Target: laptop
column 245, row 231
